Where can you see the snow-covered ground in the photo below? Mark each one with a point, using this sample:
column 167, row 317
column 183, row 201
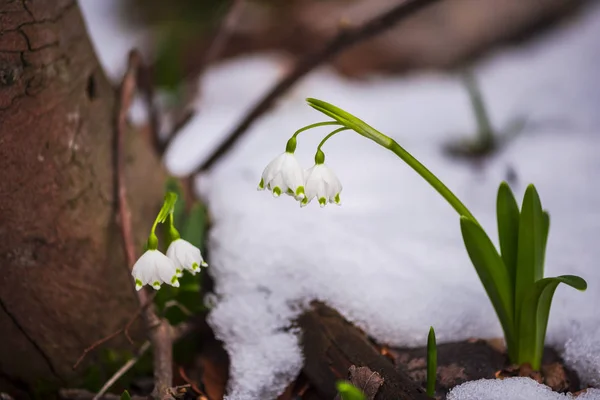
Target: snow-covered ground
column 391, row 259
column 513, row 389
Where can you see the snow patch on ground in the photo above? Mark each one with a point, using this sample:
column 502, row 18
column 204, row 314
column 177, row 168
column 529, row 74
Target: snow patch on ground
column 391, row 259
column 512, row 389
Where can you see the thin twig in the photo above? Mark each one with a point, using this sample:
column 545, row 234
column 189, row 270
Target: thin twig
column 112, row 335
column 220, row 38
column 159, row 330
column 346, row 38
column 82, row 394
column 94, row 345
column 123, row 370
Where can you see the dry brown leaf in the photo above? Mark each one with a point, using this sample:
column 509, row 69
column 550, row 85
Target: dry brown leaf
column 366, row 380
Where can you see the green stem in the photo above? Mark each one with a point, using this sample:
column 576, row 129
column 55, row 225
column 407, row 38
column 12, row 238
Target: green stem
column 484, row 127
column 314, row 126
column 431, row 179
column 326, row 138
column 320, row 156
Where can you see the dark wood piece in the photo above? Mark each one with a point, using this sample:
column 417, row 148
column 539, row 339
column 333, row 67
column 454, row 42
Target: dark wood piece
column 332, row 345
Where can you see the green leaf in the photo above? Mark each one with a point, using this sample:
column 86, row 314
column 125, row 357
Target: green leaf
column 174, row 186
column 350, row 121
column 492, row 273
column 533, row 319
column 546, row 231
column 125, row 395
column 507, row 213
column 431, row 362
column 530, row 256
column 194, row 226
column 348, row 391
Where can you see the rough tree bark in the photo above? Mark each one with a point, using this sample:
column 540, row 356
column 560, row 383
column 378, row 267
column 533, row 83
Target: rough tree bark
column 64, row 282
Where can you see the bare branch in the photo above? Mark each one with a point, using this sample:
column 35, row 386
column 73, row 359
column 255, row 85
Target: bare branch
column 346, row 38
column 126, row 367
column 159, row 330
column 222, row 34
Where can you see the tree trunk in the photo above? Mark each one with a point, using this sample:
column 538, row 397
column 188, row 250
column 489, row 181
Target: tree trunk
column 64, row 282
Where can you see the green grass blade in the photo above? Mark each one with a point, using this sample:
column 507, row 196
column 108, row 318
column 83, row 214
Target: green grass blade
column 431, row 362
column 507, row 214
column 546, row 231
column 533, row 319
column 172, row 185
column 348, row 391
column 530, row 257
column 493, row 275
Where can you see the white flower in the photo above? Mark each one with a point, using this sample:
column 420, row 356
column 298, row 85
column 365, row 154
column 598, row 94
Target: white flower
column 284, row 175
column 185, row 256
column 323, row 184
column 154, row 268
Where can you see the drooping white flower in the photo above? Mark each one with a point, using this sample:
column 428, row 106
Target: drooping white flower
column 322, row 183
column 154, row 268
column 185, row 256
column 284, row 175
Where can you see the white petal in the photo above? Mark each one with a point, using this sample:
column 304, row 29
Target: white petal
column 322, row 183
column 273, row 168
column 143, row 270
column 293, row 175
column 185, row 255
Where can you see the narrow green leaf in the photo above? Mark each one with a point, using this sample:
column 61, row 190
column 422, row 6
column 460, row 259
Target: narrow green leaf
column 546, row 231
column 507, row 213
column 530, row 257
column 125, row 395
column 194, row 226
column 431, row 362
column 172, row 185
column 493, row 275
column 348, row 391
column 533, row 319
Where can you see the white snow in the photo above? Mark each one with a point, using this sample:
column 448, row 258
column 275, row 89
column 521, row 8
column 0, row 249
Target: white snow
column 391, row 259
column 512, row 389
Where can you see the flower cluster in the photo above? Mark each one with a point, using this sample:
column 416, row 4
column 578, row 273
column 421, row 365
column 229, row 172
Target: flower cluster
column 155, row 268
column 285, row 175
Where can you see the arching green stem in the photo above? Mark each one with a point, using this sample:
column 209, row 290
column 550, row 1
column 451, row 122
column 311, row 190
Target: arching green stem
column 350, row 121
column 431, row 179
column 320, row 156
column 291, row 143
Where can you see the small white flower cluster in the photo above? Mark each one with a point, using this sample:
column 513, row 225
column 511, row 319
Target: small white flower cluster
column 285, row 175
column 154, row 268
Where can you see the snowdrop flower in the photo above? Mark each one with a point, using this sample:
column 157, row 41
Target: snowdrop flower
column 322, row 183
column 154, row 268
column 284, row 174
column 185, row 256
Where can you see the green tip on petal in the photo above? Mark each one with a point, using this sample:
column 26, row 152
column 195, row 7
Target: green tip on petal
column 322, row 201
column 304, row 202
column 337, row 199
column 156, row 285
column 178, row 272
column 195, row 266
column 261, row 185
column 138, row 284
column 174, row 281
column 204, row 264
column 290, row 192
column 276, row 191
column 300, row 193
